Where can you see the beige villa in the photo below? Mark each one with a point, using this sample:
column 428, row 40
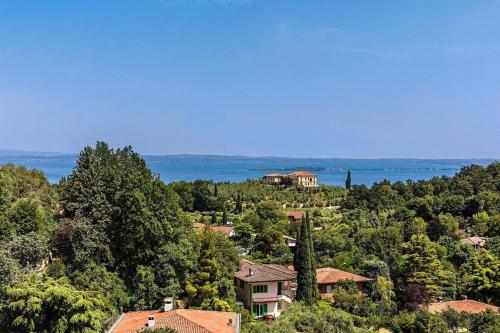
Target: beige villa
column 298, row 178
column 265, row 289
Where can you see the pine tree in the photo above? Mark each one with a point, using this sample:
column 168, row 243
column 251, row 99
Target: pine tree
column 348, row 180
column 423, row 266
column 239, row 206
column 203, row 289
column 307, row 288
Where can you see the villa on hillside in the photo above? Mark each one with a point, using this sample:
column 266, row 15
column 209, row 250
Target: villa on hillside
column 297, row 178
column 477, row 242
column 294, row 216
column 265, row 289
column 328, row 277
column 274, row 178
column 223, row 229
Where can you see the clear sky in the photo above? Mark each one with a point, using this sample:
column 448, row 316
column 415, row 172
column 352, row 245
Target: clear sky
column 257, row 77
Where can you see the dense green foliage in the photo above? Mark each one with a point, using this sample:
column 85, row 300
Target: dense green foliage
column 203, row 290
column 113, row 237
column 304, row 264
column 36, row 304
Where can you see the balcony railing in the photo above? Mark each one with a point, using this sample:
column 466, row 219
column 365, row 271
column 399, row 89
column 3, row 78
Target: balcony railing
column 288, row 295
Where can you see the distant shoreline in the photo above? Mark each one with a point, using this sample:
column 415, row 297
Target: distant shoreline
column 219, row 168
column 12, row 153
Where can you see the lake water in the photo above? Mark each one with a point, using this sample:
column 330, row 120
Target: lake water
column 234, row 168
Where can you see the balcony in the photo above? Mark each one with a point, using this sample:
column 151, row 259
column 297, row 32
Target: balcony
column 287, row 295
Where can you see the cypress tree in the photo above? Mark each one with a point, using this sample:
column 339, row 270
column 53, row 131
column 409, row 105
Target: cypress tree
column 348, row 180
column 307, row 288
column 314, row 291
column 224, row 216
column 214, row 218
column 239, row 206
column 216, row 190
column 296, row 253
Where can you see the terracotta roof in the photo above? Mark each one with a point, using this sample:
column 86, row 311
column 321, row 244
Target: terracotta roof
column 265, row 273
column 182, row 320
column 469, row 306
column 245, row 263
column 198, row 225
column 223, row 229
column 275, row 175
column 474, row 240
column 330, row 275
column 301, row 174
column 219, row 228
column 296, row 215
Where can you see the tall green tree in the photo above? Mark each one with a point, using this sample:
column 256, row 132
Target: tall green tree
column 239, row 205
column 348, row 180
column 481, row 276
column 119, row 214
column 422, row 266
column 203, row 288
column 224, row 216
column 307, row 287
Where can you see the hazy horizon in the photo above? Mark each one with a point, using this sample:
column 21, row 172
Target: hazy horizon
column 8, row 152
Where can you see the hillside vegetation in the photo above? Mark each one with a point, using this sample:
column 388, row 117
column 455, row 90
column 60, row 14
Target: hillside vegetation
column 113, row 237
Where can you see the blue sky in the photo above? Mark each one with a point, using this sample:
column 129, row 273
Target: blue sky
column 361, row 79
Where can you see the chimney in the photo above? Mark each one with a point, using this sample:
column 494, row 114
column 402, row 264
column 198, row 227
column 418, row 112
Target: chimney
column 250, row 272
column 168, row 304
column 151, row 321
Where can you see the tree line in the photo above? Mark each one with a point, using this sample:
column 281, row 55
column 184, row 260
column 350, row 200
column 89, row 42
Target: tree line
column 113, row 237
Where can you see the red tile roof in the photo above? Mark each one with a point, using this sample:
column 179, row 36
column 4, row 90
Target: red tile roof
column 480, row 241
column 296, row 215
column 223, row 229
column 182, row 320
column 227, row 230
column 301, row 174
column 198, row 225
column 469, row 306
column 330, row 275
column 265, row 273
column 275, row 175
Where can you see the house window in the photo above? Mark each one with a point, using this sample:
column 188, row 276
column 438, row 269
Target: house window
column 279, row 305
column 259, row 310
column 259, row 289
column 242, row 284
